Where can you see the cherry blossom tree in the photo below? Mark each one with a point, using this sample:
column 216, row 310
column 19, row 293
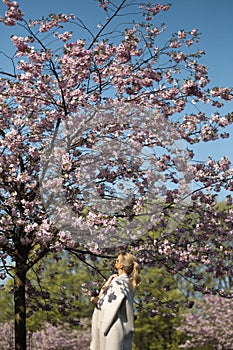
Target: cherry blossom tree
column 96, row 147
column 209, row 324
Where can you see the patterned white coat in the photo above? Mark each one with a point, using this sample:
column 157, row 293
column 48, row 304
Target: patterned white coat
column 113, row 317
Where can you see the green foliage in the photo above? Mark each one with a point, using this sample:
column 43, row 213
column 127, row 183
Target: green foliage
column 158, row 311
column 6, row 302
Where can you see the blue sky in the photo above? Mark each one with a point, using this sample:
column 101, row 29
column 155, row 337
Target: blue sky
column 213, row 18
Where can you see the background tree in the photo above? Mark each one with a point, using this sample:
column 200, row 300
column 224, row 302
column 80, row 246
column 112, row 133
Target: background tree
column 94, row 95
column 50, row 337
column 54, row 293
column 158, row 311
column 208, row 326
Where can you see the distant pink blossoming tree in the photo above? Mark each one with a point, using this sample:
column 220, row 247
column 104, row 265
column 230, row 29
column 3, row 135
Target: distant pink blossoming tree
column 50, row 337
column 209, row 324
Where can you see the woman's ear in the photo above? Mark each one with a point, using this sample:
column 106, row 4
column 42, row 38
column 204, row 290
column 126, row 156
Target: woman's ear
column 121, row 266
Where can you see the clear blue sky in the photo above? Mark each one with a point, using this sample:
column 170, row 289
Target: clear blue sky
column 214, row 18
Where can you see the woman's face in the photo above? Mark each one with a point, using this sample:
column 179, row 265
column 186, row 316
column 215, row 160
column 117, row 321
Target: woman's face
column 118, row 264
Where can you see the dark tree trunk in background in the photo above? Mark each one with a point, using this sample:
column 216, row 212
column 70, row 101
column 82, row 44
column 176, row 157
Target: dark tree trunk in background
column 20, row 305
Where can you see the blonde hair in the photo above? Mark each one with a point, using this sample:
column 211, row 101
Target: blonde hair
column 131, row 268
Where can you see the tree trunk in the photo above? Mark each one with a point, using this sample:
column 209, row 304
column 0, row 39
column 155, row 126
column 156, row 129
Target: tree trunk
column 20, row 306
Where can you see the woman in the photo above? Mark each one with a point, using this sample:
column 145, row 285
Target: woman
column 113, row 317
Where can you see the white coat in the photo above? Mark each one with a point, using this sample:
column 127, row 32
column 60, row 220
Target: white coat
column 113, row 318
